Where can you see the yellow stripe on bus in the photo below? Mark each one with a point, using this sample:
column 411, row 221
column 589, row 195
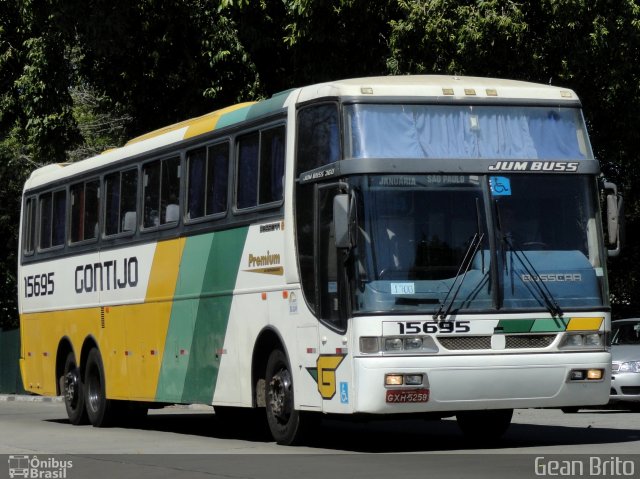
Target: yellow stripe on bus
column 202, row 123
column 164, row 271
column 584, row 324
column 146, row 324
column 208, row 122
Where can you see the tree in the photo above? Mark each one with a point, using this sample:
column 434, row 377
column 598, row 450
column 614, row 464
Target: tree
column 36, row 122
column 161, row 61
column 586, row 45
column 79, row 76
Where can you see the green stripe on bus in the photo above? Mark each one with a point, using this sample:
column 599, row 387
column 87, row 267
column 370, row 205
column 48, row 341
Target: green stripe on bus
column 549, row 325
column 200, row 315
column 272, row 105
column 515, row 325
column 232, row 117
column 540, row 325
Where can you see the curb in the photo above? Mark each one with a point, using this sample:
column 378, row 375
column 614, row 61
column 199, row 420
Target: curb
column 28, row 398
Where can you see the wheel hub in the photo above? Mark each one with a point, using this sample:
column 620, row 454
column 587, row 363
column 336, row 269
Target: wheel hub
column 280, row 399
column 71, row 387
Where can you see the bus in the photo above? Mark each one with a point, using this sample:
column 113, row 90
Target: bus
column 402, row 246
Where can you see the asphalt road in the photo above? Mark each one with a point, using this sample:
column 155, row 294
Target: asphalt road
column 189, row 442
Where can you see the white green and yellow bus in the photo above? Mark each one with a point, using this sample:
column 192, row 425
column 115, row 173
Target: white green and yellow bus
column 415, row 245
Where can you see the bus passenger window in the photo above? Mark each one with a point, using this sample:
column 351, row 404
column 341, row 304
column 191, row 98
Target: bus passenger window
column 161, row 192
column 52, row 219
column 29, row 228
column 170, row 191
column 59, row 215
column 271, row 165
column 112, row 204
column 85, row 207
column 120, row 209
column 217, row 178
column 196, row 161
column 208, row 180
column 246, row 195
column 45, row 221
column 261, row 168
column 318, row 137
column 151, row 175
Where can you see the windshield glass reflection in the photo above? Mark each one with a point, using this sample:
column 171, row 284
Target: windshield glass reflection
column 529, row 242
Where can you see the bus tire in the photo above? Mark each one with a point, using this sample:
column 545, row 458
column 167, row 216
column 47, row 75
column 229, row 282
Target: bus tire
column 285, row 422
column 485, row 425
column 72, row 391
column 99, row 409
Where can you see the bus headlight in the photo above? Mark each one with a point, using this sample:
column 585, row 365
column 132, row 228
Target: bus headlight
column 393, row 344
column 412, row 343
column 369, row 345
column 582, row 340
column 397, row 345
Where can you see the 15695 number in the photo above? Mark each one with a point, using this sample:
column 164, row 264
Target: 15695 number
column 39, row 285
column 430, row 327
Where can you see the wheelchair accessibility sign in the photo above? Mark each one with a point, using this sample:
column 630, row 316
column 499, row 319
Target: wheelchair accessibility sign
column 344, row 393
column 500, row 186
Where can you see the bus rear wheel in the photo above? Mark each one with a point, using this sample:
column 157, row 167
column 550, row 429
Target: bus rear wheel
column 287, row 425
column 99, row 408
column 486, row 425
column 71, row 388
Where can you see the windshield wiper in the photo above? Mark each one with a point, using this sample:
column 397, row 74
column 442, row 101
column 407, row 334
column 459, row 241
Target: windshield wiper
column 547, row 298
column 467, row 259
column 472, row 249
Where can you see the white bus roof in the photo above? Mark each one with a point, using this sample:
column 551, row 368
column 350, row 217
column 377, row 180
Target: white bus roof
column 428, row 86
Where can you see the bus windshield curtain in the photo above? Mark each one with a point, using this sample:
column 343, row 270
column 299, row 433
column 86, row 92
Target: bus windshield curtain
column 417, row 131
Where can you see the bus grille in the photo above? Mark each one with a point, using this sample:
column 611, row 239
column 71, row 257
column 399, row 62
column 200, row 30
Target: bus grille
column 526, row 341
column 514, row 341
column 465, row 342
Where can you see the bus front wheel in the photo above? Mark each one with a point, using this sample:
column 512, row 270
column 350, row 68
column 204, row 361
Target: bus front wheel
column 287, row 425
column 99, row 408
column 71, row 389
column 484, row 425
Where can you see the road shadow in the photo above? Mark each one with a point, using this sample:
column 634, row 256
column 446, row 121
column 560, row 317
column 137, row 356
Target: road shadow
column 393, row 436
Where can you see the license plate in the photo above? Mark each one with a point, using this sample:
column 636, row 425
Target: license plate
column 407, row 396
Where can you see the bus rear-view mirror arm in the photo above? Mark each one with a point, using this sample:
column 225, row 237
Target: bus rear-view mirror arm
column 342, row 220
column 615, row 218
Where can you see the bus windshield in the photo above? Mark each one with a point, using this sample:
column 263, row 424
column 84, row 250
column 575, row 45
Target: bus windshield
column 465, row 132
column 476, row 243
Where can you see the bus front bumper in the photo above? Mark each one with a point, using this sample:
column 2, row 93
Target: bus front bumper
column 455, row 383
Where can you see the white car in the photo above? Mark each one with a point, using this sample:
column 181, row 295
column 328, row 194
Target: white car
column 625, row 363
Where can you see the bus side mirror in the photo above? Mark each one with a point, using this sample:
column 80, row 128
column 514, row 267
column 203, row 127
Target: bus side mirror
column 615, row 218
column 342, row 220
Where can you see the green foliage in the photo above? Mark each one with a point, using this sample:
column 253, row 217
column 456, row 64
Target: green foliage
column 14, row 167
column 162, row 61
column 459, row 37
column 81, row 76
column 588, row 45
